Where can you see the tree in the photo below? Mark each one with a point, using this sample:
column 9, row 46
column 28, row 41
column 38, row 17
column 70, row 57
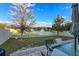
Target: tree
column 57, row 25
column 67, row 26
column 3, row 25
column 22, row 13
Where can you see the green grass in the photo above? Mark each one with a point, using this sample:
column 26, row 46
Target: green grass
column 13, row 44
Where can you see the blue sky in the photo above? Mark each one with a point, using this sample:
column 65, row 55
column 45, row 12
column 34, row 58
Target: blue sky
column 44, row 12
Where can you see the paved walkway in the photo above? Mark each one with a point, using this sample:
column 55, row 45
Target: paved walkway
column 36, row 51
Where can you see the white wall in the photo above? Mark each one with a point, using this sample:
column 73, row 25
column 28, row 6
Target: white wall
column 4, row 35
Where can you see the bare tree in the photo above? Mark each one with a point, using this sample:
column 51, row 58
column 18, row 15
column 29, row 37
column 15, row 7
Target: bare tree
column 22, row 13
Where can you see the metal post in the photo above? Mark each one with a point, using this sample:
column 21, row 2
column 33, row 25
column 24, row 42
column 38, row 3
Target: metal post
column 75, row 48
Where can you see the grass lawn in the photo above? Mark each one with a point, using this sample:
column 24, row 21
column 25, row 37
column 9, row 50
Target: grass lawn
column 13, row 44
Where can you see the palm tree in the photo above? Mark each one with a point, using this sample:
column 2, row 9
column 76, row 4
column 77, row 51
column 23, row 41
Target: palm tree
column 58, row 21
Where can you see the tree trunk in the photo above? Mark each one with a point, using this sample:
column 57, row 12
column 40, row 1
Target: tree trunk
column 57, row 33
column 22, row 32
column 21, row 36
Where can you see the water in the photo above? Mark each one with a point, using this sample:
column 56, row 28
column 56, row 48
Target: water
column 69, row 49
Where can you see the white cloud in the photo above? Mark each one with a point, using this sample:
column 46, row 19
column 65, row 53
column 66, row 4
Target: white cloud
column 67, row 7
column 64, row 17
column 38, row 24
column 30, row 4
column 43, row 24
column 4, row 21
column 39, row 9
column 22, row 4
column 8, row 22
column 11, row 12
column 66, row 21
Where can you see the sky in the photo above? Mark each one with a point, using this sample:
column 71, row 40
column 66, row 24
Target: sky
column 44, row 13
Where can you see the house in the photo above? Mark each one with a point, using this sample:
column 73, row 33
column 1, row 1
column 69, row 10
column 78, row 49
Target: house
column 4, row 35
